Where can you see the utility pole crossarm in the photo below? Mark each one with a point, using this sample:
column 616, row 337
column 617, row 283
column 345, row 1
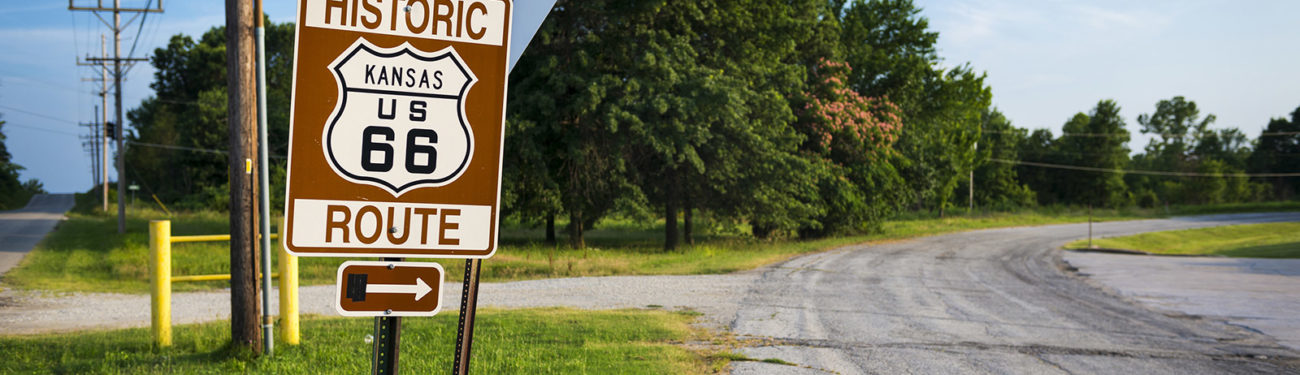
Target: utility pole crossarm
column 125, row 59
column 99, row 7
column 137, row 10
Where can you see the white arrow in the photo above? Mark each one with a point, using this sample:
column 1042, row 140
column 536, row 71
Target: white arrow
column 420, row 289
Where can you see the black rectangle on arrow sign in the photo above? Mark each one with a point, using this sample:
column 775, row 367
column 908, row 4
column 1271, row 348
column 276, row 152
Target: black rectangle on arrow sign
column 357, row 287
column 389, row 288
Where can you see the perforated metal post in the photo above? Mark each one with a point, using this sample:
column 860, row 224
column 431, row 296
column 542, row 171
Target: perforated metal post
column 388, row 335
column 468, row 303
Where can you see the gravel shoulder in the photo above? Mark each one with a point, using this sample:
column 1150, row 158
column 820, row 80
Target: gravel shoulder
column 716, row 296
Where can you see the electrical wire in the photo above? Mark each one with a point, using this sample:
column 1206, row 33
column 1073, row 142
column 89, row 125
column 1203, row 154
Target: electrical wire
column 140, row 30
column 1120, row 135
column 195, row 149
column 47, row 117
column 1141, row 172
column 41, row 129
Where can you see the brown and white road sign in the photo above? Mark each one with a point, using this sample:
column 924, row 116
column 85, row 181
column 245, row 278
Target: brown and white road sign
column 389, row 289
column 396, row 128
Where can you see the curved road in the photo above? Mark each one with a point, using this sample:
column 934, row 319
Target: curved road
column 21, row 229
column 990, row 301
column 993, row 301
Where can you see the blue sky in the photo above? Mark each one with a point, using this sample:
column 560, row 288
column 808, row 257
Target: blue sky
column 1046, row 60
column 1049, row 59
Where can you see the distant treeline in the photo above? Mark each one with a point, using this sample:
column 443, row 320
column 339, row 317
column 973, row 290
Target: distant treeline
column 794, row 118
column 14, row 193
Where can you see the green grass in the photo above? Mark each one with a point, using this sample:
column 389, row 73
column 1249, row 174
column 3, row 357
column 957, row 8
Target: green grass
column 1273, row 240
column 531, row 341
column 86, row 255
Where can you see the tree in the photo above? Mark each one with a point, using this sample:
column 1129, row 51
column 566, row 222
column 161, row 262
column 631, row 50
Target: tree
column 1040, row 147
column 997, row 184
column 677, row 106
column 1177, row 125
column 892, row 50
column 1097, row 140
column 559, row 96
column 849, row 137
column 1185, row 143
column 14, row 193
column 1279, row 152
column 188, row 110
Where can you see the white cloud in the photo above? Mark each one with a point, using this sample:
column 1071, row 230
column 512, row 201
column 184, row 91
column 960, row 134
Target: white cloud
column 1118, row 20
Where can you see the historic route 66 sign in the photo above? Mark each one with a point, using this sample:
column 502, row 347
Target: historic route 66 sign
column 396, row 128
column 401, row 121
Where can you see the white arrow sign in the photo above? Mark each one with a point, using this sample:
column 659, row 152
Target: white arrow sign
column 419, row 289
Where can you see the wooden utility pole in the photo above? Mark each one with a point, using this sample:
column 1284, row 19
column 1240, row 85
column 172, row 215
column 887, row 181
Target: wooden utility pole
column 242, row 114
column 118, row 62
column 101, row 156
column 91, row 142
column 103, row 116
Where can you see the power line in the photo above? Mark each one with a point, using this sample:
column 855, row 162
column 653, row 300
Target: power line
column 1120, row 135
column 41, row 129
column 47, row 117
column 145, row 144
column 144, row 18
column 1142, row 172
column 186, row 148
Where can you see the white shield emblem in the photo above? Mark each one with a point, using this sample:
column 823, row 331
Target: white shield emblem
column 400, row 120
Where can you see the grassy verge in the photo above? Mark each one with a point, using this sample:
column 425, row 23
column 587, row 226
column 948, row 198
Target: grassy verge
column 531, row 341
column 86, row 254
column 1273, row 240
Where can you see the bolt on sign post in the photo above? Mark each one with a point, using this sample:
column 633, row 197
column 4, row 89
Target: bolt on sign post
column 396, row 132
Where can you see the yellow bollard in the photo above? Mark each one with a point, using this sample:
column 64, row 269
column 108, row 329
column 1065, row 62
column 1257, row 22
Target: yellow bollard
column 160, row 246
column 288, row 297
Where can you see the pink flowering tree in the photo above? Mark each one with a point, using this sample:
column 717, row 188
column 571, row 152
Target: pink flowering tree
column 848, row 138
column 842, row 125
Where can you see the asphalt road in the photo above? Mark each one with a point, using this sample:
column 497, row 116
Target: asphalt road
column 995, row 301
column 991, row 301
column 21, row 229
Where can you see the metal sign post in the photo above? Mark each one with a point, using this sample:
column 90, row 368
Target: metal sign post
column 388, row 338
column 468, row 305
column 388, row 335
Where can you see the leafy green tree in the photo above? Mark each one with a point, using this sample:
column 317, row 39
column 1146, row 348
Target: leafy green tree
column 14, row 193
column 1097, row 140
column 559, row 96
column 679, row 106
column 176, row 130
column 1040, row 147
column 1229, row 146
column 893, row 53
column 1185, row 143
column 997, row 184
column 1279, row 152
column 1177, row 125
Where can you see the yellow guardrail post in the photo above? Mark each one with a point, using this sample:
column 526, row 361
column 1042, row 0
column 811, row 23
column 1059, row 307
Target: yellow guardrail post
column 160, row 271
column 160, row 246
column 288, row 297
